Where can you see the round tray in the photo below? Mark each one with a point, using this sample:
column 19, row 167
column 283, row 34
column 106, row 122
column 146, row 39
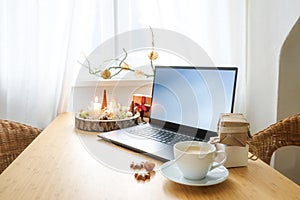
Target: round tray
column 104, row 125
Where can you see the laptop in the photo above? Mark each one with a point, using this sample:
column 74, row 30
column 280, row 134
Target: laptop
column 186, row 105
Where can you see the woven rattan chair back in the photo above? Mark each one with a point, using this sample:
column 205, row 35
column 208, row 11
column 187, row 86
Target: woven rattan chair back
column 14, row 138
column 283, row 133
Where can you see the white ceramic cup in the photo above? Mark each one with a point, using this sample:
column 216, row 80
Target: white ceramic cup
column 195, row 159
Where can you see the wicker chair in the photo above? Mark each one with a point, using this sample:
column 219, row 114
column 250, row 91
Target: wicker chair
column 14, row 138
column 283, row 133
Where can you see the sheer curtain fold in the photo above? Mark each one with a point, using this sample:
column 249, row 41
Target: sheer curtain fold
column 41, row 41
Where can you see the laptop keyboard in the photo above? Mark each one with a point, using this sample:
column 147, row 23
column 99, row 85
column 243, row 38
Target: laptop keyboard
column 160, row 135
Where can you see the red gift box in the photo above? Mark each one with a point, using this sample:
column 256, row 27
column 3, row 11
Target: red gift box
column 142, row 103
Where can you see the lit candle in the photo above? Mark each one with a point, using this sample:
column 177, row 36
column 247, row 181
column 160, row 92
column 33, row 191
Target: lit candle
column 97, row 105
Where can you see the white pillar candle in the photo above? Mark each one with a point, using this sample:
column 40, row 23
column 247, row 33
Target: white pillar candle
column 97, row 105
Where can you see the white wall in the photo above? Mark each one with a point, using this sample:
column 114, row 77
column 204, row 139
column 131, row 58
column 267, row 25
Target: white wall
column 289, row 71
column 269, row 22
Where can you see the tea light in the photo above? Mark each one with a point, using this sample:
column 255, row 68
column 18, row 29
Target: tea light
column 97, row 105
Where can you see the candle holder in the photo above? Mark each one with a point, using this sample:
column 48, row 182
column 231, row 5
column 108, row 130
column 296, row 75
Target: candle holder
column 107, row 117
column 96, row 125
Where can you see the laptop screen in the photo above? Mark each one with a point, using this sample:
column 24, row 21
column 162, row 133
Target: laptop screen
column 193, row 96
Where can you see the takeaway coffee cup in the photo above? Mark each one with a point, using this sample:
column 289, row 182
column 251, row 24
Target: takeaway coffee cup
column 195, row 159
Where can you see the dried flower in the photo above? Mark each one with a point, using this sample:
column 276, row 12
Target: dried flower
column 125, row 66
column 153, row 55
column 139, row 73
column 105, row 74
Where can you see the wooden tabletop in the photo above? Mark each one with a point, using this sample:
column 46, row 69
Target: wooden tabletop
column 64, row 163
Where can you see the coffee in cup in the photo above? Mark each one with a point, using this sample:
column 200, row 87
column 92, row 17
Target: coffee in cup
column 195, row 159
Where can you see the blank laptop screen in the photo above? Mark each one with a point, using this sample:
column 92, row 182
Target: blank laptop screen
column 193, row 96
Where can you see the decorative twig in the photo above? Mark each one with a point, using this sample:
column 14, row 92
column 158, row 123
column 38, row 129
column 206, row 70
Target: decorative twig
column 120, row 65
column 106, row 73
column 152, row 36
column 152, row 55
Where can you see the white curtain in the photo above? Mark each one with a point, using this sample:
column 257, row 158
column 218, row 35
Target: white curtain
column 42, row 40
column 40, row 44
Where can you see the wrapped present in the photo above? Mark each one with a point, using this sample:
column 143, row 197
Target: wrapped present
column 233, row 129
column 142, row 103
column 236, row 156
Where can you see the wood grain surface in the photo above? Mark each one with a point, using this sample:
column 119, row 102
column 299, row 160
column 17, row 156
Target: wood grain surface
column 59, row 165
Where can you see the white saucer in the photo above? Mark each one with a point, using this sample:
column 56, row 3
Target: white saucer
column 171, row 171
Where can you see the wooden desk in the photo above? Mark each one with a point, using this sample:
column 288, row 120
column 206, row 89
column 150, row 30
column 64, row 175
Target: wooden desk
column 58, row 166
